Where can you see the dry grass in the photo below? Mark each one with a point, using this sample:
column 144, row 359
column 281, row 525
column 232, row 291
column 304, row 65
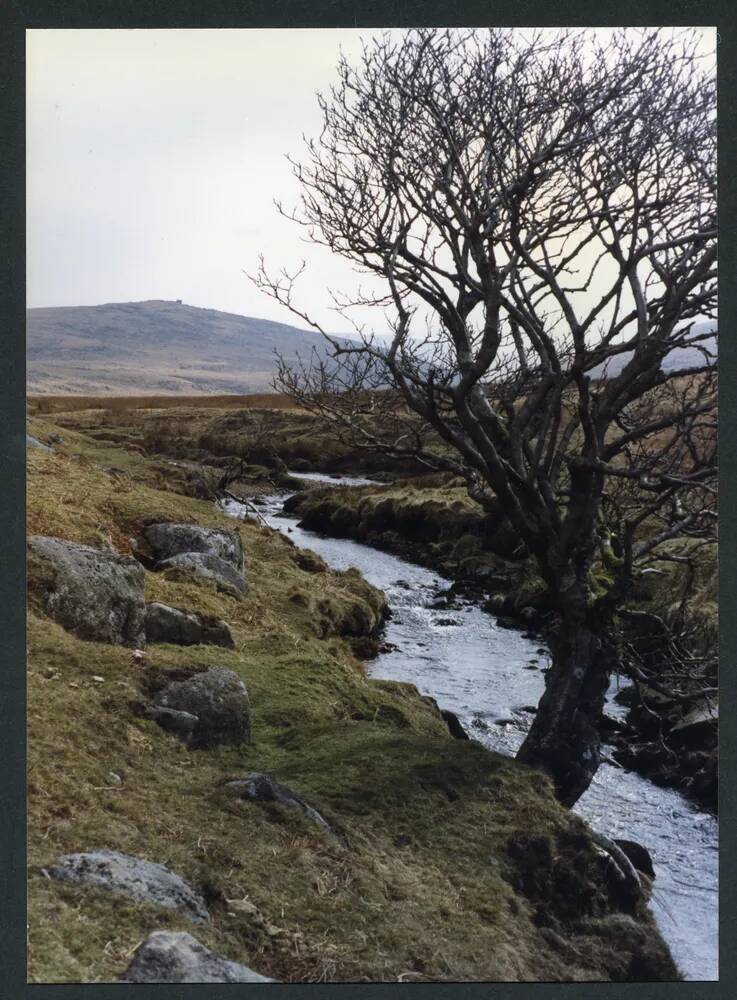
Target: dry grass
column 69, row 404
column 207, row 434
column 425, row 889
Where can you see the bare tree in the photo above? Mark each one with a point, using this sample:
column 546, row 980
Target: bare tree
column 541, row 212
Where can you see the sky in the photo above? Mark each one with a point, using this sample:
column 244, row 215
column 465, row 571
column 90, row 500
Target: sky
column 154, row 158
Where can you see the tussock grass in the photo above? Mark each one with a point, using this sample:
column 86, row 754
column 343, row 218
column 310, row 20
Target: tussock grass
column 424, row 890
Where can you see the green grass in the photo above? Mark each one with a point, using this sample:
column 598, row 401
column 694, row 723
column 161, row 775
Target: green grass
column 426, row 888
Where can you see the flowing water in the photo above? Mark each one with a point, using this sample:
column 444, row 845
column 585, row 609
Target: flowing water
column 490, row 677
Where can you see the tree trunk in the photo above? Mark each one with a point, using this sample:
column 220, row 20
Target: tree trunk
column 564, row 738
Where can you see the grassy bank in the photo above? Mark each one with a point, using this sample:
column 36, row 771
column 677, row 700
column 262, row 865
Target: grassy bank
column 432, row 520
column 219, row 430
column 458, row 863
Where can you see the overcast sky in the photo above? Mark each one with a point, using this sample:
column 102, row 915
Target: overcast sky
column 154, row 157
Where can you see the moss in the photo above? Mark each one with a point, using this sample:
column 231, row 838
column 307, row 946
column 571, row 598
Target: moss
column 425, row 888
column 601, row 582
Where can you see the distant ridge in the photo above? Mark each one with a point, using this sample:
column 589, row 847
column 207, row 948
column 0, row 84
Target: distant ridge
column 159, row 347
column 156, row 347
column 706, row 353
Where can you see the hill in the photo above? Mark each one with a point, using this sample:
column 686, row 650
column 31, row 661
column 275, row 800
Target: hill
column 706, row 353
column 157, row 346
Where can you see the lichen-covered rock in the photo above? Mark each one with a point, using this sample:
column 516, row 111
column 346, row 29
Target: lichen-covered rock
column 258, row 787
column 219, row 700
column 94, row 593
column 208, row 566
column 166, row 624
column 144, row 881
column 177, row 957
column 168, row 540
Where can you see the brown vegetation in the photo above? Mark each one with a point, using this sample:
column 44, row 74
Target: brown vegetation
column 69, row 404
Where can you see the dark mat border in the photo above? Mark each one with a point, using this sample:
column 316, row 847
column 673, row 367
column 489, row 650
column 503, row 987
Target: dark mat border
column 15, row 17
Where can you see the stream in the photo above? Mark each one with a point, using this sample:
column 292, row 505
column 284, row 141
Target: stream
column 491, row 677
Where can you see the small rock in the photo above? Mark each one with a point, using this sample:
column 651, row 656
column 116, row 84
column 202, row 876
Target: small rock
column 144, row 881
column 208, row 566
column 698, row 721
column 177, row 957
column 454, row 725
column 100, row 680
column 445, row 622
column 258, row 787
column 166, row 624
column 32, row 442
column 169, row 540
column 209, row 552
column 218, row 699
column 182, row 724
column 115, row 778
column 638, row 855
column 496, row 604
